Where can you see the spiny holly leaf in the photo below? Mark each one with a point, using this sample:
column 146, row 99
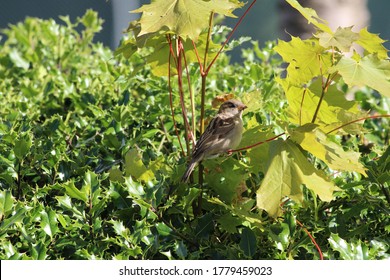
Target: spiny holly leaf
column 369, row 71
column 311, row 16
column 229, row 223
column 185, row 18
column 313, row 140
column 372, row 43
column 49, row 222
column 348, row 251
column 287, row 170
column 307, row 59
column 74, row 192
column 248, row 242
column 342, row 39
column 243, row 211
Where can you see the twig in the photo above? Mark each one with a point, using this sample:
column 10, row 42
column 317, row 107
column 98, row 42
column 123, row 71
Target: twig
column 312, row 239
column 230, row 35
column 257, row 144
column 358, row 120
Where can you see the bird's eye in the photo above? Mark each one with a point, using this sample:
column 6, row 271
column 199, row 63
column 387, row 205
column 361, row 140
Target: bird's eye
column 231, row 105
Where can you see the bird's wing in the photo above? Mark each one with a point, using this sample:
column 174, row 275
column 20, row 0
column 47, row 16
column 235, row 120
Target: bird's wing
column 217, row 129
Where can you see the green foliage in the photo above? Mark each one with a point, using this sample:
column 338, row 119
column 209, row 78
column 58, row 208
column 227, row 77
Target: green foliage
column 90, row 161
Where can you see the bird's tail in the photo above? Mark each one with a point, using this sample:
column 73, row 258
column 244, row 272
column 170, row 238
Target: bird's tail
column 188, row 172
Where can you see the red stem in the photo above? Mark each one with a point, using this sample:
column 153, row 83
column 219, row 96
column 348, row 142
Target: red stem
column 358, row 120
column 312, row 239
column 191, row 130
column 230, row 35
column 257, row 144
column 170, row 96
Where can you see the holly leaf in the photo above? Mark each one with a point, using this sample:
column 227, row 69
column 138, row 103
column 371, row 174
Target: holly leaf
column 287, row 170
column 342, row 39
column 313, row 140
column 187, row 18
column 368, row 71
column 311, row 16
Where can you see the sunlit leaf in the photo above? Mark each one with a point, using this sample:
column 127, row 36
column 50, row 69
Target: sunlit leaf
column 311, row 16
column 348, row 251
column 372, row 43
column 307, row 59
column 22, row 146
column 6, row 203
column 369, row 71
column 287, row 170
column 135, row 167
column 49, row 222
column 313, row 140
column 184, row 18
column 74, row 192
column 334, row 108
column 342, row 38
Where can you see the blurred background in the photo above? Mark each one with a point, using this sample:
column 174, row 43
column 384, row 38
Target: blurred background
column 268, row 20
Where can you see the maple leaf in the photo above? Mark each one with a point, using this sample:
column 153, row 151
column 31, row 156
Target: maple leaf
column 342, row 39
column 311, row 16
column 306, row 58
column 368, row 71
column 287, row 170
column 334, row 107
column 136, row 168
column 372, row 43
column 186, row 18
column 313, row 140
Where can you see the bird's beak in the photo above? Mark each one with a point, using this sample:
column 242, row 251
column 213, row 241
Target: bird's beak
column 242, row 107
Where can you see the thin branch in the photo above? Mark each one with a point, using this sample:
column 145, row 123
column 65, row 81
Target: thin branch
column 171, row 95
column 358, row 120
column 180, row 51
column 198, row 57
column 257, row 144
column 300, row 109
column 312, row 239
column 208, row 38
column 324, row 90
column 230, row 35
column 192, row 129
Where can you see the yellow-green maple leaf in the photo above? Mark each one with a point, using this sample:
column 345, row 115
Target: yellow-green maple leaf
column 307, row 59
column 342, row 39
column 372, row 43
column 185, row 18
column 313, row 140
column 311, row 16
column 287, row 170
column 136, row 168
column 334, row 107
column 368, row 71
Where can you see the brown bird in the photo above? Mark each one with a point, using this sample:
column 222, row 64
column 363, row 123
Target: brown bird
column 223, row 133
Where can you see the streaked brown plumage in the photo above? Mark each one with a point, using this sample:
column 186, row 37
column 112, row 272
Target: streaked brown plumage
column 223, row 133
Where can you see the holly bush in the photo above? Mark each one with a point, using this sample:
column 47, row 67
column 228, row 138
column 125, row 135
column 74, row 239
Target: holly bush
column 93, row 143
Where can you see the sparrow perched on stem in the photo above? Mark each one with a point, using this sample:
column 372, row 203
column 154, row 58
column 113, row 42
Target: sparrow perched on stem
column 223, row 133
